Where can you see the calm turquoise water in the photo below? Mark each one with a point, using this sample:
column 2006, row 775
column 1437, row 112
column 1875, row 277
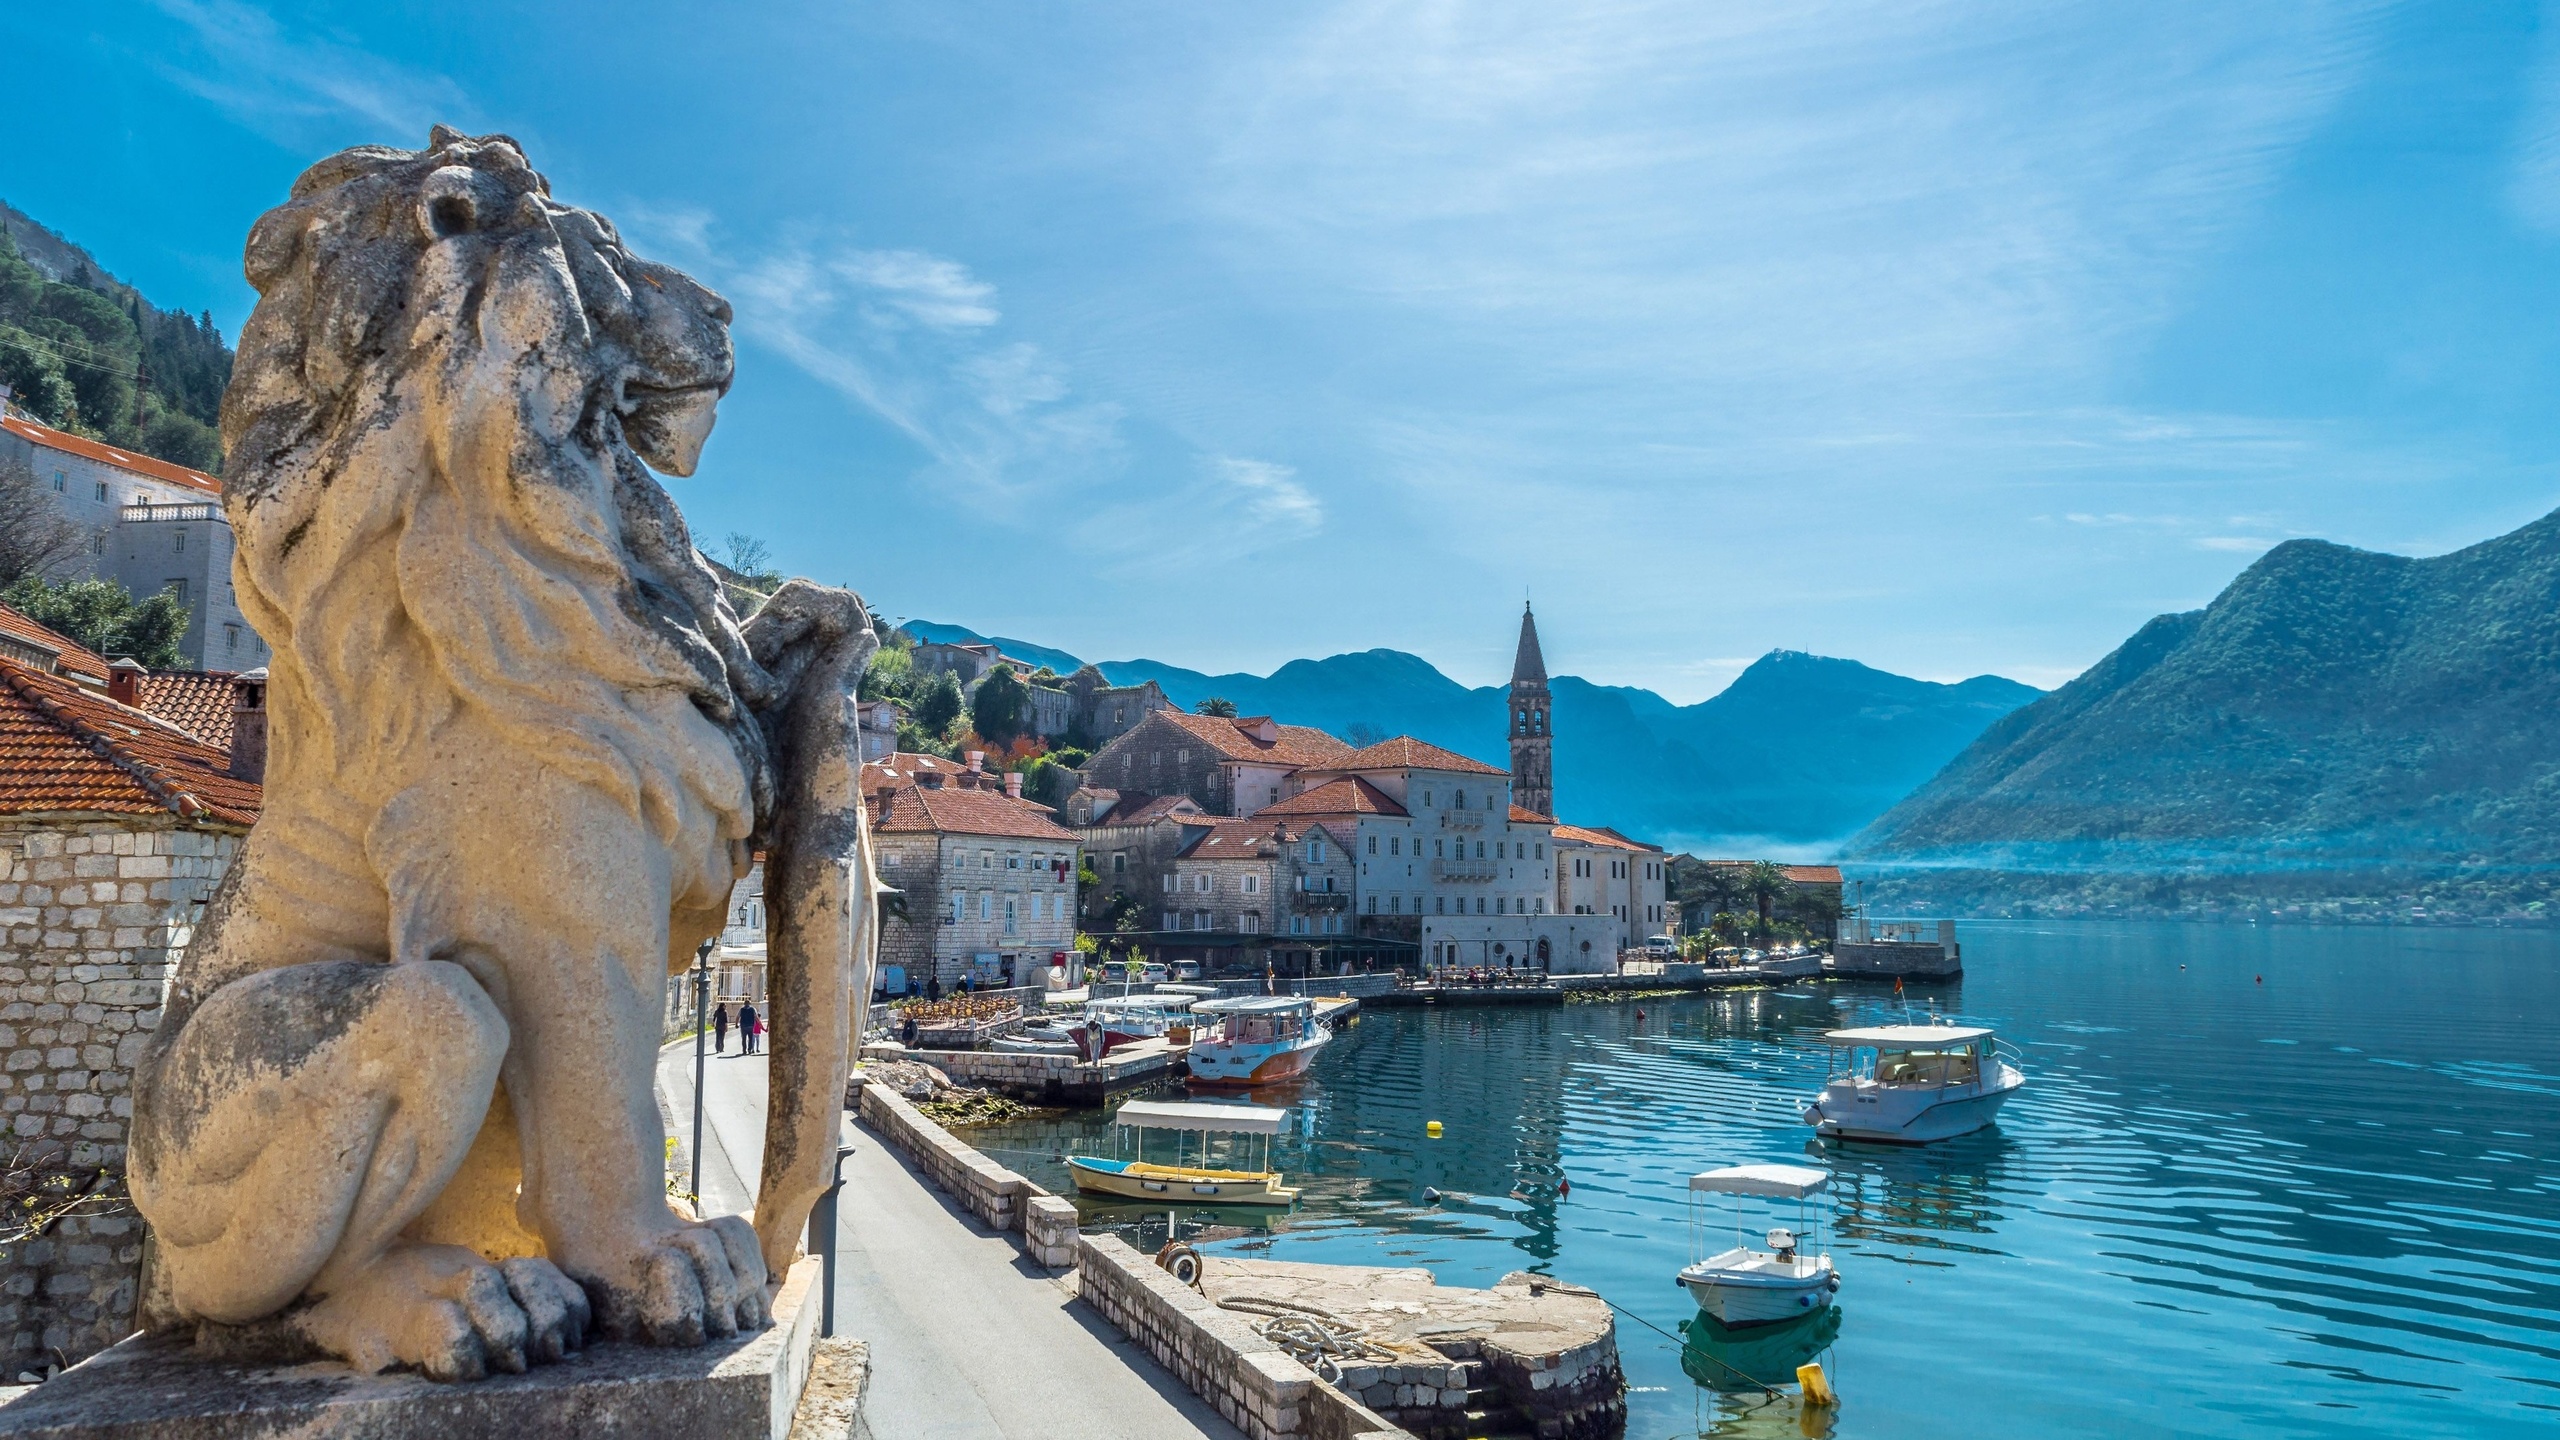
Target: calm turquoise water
column 2325, row 1204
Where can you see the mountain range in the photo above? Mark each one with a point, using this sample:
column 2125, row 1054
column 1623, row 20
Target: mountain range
column 1796, row 754
column 2334, row 712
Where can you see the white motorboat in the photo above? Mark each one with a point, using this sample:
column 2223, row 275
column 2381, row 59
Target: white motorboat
column 1255, row 1040
column 1741, row 1287
column 1912, row 1084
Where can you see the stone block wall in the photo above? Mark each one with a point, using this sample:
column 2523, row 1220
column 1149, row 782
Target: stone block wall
column 94, row 912
column 984, row 1188
column 1247, row 1379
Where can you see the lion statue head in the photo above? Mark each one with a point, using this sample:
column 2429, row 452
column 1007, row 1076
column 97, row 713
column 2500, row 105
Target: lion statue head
column 435, row 317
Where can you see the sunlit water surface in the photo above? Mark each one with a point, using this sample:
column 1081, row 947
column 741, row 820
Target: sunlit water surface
column 2264, row 1182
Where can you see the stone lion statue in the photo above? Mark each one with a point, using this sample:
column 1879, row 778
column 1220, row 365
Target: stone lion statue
column 399, row 1109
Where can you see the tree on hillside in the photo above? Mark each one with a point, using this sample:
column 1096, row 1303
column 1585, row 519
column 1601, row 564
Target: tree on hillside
column 939, row 705
column 1218, row 705
column 996, row 711
column 104, row 616
column 1360, row 734
column 36, row 536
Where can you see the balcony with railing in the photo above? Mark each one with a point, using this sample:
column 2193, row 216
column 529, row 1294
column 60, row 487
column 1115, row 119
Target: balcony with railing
column 1461, row 819
column 1448, row 871
column 171, row 510
column 1312, row 901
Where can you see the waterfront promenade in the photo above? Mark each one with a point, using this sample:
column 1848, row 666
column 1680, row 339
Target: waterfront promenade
column 969, row 1340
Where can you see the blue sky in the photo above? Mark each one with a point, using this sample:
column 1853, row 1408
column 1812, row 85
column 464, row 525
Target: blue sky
column 1952, row 338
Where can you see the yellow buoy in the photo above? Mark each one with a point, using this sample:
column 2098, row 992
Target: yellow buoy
column 1432, row 1129
column 1817, row 1389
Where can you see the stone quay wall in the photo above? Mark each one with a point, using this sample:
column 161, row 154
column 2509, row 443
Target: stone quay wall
column 1890, row 958
column 94, row 912
column 1247, row 1379
column 1004, row 1200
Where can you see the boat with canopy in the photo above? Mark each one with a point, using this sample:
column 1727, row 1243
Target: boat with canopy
column 1111, row 1021
column 1254, row 1040
column 1243, row 1178
column 1912, row 1084
column 1740, row 1287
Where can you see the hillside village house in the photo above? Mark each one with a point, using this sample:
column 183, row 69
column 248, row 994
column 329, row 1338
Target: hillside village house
column 1131, row 841
column 114, row 828
column 1267, row 890
column 153, row 527
column 1100, row 712
column 989, row 878
column 1228, row 766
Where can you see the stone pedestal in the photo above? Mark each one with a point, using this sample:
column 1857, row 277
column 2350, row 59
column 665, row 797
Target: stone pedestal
column 150, row 1388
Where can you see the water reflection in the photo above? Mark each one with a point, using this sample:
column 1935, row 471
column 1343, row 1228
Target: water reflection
column 1757, row 1359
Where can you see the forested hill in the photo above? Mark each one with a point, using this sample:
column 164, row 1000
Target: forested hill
column 1795, row 755
column 86, row 352
column 2334, row 711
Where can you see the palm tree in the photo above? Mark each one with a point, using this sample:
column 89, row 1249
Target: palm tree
column 1218, row 705
column 1764, row 881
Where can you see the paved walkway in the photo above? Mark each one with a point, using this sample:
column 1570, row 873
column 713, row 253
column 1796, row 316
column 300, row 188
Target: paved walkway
column 969, row 1339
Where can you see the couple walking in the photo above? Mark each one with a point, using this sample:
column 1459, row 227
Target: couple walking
column 750, row 1029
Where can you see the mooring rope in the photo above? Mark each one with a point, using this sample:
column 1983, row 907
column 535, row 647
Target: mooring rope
column 1314, row 1337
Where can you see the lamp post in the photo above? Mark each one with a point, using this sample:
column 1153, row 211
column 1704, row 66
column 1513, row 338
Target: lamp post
column 822, row 1239
column 701, row 1032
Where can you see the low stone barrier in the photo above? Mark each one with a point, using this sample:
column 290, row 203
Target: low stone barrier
column 1042, row 1079
column 1896, row 958
column 983, row 1188
column 1050, row 1229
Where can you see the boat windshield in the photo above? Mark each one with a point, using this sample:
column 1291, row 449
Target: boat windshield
column 1264, row 1029
column 1934, row 1065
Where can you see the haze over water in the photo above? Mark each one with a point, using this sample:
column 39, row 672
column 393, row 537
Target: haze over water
column 2326, row 1204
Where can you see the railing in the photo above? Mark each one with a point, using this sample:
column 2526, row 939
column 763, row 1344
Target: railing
column 173, row 510
column 1448, row 870
column 1461, row 819
column 1322, row 900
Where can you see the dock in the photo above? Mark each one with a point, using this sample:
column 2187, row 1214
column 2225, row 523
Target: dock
column 1530, row 1356
column 1064, row 1079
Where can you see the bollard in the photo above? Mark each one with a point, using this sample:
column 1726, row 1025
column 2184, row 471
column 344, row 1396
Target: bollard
column 822, row 1240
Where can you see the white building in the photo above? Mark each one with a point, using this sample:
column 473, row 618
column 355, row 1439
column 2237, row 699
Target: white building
column 153, row 527
column 1601, row 872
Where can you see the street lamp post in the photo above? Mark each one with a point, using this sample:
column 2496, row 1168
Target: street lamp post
column 701, row 1032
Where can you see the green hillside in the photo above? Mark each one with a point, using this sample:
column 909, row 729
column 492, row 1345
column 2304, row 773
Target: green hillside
column 85, row 352
column 2337, row 721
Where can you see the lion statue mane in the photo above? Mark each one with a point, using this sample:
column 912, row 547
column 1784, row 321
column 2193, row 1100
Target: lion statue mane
column 399, row 1108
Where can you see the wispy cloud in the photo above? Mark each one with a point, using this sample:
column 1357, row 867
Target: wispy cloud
column 292, row 85
column 1272, row 497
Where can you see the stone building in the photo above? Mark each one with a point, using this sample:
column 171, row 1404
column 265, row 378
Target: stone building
column 988, row 878
column 1445, row 841
column 1228, row 766
column 1601, row 872
column 1099, row 712
column 1131, row 842
column 1266, row 890
column 877, row 721
column 1533, row 767
column 114, row 827
column 153, row 527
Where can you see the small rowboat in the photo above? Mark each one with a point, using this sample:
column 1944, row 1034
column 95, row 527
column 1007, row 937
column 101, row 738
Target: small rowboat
column 1138, row 1178
column 1743, row 1287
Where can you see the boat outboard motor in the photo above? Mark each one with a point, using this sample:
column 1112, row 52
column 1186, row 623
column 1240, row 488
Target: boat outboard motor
column 1782, row 1241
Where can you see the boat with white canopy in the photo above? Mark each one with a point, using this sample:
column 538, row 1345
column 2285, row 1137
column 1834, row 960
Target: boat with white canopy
column 1111, row 1021
column 1255, row 1039
column 1741, row 1286
column 1238, row 1181
column 1912, row 1084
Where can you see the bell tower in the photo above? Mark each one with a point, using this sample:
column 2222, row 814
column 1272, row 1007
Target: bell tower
column 1533, row 785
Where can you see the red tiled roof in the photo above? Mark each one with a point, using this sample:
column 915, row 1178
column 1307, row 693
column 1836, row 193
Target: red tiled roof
column 70, row 656
column 902, row 767
column 954, row 811
column 1349, row 795
column 52, row 439
column 1406, row 753
column 1236, row 739
column 1800, row 874
column 64, row 748
column 1599, row 835
column 1523, row 815
column 1247, row 839
column 1146, row 809
column 196, row 701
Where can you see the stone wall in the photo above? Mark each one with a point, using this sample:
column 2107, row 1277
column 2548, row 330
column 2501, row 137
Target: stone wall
column 1159, row 757
column 1896, row 957
column 1049, row 1225
column 94, row 912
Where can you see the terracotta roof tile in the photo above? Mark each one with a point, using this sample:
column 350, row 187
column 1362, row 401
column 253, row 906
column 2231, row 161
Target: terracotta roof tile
column 68, row 443
column 1800, row 874
column 1406, row 753
column 196, row 701
column 1237, row 739
column 65, row 748
column 1523, row 815
column 954, row 811
column 1349, row 795
column 1147, row 809
column 70, row 656
column 1600, row 836
column 1248, row 839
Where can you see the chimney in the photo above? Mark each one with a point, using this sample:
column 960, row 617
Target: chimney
column 977, row 760
column 124, row 682
column 1013, row 784
column 249, row 726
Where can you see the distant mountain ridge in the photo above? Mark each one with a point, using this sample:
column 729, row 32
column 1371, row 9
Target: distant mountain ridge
column 2333, row 711
column 1796, row 754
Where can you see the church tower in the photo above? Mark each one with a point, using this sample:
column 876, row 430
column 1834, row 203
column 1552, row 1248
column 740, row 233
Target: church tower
column 1533, row 785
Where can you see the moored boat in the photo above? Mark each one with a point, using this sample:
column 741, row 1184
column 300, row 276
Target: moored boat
column 1912, row 1084
column 1236, row 1183
column 1742, row 1287
column 1111, row 1021
column 1254, row 1040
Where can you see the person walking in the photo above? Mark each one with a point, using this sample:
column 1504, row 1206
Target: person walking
column 748, row 1027
column 720, row 1028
